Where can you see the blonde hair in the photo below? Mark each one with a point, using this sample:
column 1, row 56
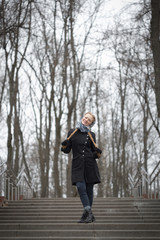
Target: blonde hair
column 94, row 118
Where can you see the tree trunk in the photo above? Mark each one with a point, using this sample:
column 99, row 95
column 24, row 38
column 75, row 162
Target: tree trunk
column 155, row 44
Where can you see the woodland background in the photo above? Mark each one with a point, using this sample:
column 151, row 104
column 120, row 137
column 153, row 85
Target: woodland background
column 62, row 58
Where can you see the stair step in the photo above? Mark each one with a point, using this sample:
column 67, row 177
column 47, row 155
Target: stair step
column 80, row 232
column 75, row 226
column 80, row 238
column 137, row 221
column 77, row 213
column 56, row 209
column 117, row 219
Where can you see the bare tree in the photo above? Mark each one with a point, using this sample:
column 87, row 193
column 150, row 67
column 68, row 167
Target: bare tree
column 73, row 64
column 15, row 18
column 155, row 44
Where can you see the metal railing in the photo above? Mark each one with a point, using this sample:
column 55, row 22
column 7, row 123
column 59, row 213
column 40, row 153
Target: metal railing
column 145, row 185
column 12, row 187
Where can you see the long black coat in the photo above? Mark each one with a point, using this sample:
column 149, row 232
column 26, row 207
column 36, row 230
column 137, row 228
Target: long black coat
column 84, row 165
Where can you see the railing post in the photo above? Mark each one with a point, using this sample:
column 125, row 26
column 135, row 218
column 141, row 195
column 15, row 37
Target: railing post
column 158, row 186
column 5, row 184
column 15, row 189
column 18, row 194
column 148, row 186
column 12, row 191
column 1, row 185
column 8, row 185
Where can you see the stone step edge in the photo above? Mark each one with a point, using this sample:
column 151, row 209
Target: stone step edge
column 78, row 226
column 80, row 238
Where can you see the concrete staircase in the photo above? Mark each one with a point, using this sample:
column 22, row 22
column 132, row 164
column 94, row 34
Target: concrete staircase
column 57, row 219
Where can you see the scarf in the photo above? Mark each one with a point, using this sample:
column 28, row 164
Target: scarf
column 82, row 127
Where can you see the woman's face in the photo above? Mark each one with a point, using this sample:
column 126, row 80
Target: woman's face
column 87, row 119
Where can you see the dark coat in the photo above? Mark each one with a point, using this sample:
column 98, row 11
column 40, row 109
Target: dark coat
column 84, row 165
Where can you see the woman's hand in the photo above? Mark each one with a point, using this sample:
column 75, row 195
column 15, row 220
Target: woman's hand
column 65, row 143
column 97, row 153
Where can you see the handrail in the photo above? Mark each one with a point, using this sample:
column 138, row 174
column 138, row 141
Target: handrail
column 20, row 173
column 131, row 180
column 2, row 172
column 155, row 168
column 155, row 177
column 23, row 175
column 144, row 174
column 12, row 187
column 2, row 164
column 145, row 185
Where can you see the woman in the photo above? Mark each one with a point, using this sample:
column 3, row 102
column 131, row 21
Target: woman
column 85, row 171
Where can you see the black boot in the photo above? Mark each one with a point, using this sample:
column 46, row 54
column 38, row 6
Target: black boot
column 93, row 218
column 89, row 217
column 84, row 216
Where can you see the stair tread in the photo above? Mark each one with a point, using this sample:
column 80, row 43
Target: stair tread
column 81, row 238
column 116, row 218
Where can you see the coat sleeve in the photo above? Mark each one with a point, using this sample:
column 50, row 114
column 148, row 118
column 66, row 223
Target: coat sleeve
column 94, row 138
column 68, row 146
column 94, row 149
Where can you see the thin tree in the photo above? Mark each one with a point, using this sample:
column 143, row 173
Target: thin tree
column 11, row 37
column 155, row 44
